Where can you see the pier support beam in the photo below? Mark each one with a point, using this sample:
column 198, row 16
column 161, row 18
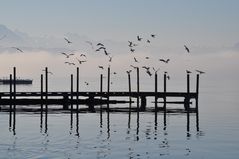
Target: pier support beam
column 143, row 103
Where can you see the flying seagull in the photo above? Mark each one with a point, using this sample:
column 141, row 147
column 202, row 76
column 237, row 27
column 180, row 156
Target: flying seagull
column 100, row 44
column 139, row 38
column 101, row 67
column 165, row 61
column 153, row 35
column 200, row 72
column 148, row 41
column 87, row 83
column 70, row 63
column 80, row 61
column 18, row 49
column 68, row 41
column 186, row 48
column 132, row 50
column 67, row 55
column 135, row 60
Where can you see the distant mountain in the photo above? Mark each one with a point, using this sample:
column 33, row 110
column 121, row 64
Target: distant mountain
column 10, row 36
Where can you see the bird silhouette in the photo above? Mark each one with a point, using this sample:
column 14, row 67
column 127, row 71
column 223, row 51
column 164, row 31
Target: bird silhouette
column 70, row 63
column 145, row 67
column 130, row 43
column 110, row 58
column 139, row 38
column 168, row 77
column 148, row 41
column 149, row 73
column 188, row 72
column 135, row 60
column 83, row 55
column 132, row 50
column 100, row 48
column 156, row 70
column 86, row 83
column 18, row 49
column 101, row 67
column 106, row 53
column 165, row 61
column 68, row 41
column 67, row 55
column 186, row 48
column 129, row 71
column 135, row 67
column 153, row 35
column 147, row 57
column 200, row 72
column 100, row 44
column 80, row 61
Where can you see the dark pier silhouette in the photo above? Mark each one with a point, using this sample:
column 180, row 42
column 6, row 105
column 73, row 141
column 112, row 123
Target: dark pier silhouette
column 98, row 98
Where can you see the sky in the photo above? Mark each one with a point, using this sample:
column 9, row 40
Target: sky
column 205, row 22
column 210, row 28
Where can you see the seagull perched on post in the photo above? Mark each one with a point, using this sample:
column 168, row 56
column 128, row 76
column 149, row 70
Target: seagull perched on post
column 129, row 71
column 188, row 72
column 200, row 72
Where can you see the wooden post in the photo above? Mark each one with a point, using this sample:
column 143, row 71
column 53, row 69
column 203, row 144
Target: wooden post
column 14, row 87
column 46, row 87
column 41, row 92
column 77, row 87
column 197, row 92
column 165, row 89
column 137, row 69
column 101, row 83
column 129, row 80
column 72, row 92
column 188, row 93
column 10, row 92
column 156, row 91
column 156, row 98
column 101, row 90
column 108, row 87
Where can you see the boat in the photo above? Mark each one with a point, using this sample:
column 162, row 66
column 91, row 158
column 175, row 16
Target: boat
column 18, row 81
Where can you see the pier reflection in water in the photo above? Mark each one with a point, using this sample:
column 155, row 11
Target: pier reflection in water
column 101, row 134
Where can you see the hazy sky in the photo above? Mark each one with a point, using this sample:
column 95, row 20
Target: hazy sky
column 206, row 26
column 200, row 22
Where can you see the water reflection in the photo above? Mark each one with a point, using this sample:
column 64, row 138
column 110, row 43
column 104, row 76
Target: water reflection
column 138, row 127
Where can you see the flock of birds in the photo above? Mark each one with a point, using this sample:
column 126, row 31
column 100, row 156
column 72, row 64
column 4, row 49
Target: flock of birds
column 101, row 48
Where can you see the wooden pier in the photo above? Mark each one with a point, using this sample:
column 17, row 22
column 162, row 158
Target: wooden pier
column 91, row 99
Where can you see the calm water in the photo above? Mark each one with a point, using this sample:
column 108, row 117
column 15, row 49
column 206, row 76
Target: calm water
column 118, row 135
